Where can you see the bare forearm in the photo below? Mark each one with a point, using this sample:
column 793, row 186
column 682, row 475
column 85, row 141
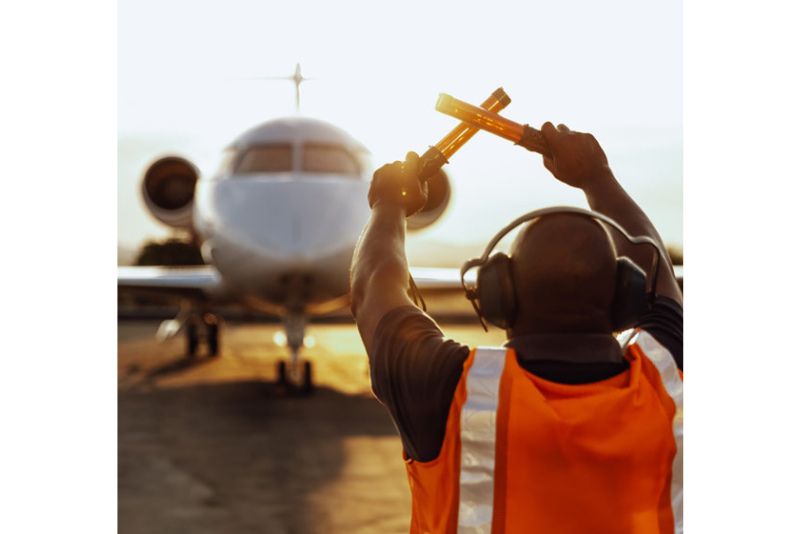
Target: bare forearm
column 382, row 244
column 605, row 195
column 379, row 274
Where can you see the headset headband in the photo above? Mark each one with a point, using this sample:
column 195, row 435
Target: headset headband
column 640, row 240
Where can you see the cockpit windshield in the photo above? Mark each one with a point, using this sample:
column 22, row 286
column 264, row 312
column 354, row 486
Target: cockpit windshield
column 265, row 158
column 329, row 159
column 315, row 158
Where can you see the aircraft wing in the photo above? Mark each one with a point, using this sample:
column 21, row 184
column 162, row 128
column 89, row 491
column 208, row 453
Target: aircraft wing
column 436, row 279
column 440, row 279
column 199, row 283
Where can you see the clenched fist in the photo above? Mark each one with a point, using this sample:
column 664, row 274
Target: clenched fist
column 577, row 158
column 398, row 183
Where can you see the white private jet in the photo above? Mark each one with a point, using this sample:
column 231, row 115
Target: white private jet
column 278, row 224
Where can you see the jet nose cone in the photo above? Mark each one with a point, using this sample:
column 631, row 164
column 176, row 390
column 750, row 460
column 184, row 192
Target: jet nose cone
column 295, row 233
column 296, row 220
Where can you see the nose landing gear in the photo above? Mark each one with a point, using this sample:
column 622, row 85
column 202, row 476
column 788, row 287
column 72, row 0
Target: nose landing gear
column 296, row 375
column 199, row 327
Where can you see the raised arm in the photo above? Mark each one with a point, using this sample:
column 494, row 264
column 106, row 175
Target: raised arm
column 379, row 274
column 579, row 161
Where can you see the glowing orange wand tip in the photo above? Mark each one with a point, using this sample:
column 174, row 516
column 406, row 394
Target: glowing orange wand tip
column 528, row 137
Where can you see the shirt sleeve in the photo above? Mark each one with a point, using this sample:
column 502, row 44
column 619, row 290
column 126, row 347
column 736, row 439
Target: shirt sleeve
column 665, row 323
column 414, row 372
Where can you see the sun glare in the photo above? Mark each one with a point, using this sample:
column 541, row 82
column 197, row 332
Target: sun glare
column 620, row 80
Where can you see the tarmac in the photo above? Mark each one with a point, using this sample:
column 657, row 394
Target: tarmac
column 214, row 445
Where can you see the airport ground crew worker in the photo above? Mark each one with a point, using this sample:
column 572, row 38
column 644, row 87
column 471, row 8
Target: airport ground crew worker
column 566, row 429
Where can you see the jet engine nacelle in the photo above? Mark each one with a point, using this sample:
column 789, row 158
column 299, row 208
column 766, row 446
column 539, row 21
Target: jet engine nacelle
column 438, row 200
column 168, row 191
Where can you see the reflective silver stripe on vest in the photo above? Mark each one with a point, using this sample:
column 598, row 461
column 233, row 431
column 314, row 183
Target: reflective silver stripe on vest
column 673, row 384
column 478, row 429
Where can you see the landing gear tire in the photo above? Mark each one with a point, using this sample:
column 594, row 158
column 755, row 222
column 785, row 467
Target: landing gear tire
column 308, row 382
column 213, row 340
column 302, row 388
column 192, row 340
column 282, row 377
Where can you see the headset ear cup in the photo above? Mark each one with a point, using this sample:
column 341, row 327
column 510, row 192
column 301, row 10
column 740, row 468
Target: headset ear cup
column 495, row 293
column 630, row 295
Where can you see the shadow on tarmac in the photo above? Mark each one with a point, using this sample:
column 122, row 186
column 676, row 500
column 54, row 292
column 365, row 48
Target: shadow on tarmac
column 242, row 457
column 135, row 376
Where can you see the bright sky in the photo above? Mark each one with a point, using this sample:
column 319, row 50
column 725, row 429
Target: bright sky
column 610, row 68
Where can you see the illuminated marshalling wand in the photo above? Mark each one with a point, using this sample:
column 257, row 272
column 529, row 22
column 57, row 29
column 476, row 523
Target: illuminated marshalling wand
column 437, row 155
column 485, row 119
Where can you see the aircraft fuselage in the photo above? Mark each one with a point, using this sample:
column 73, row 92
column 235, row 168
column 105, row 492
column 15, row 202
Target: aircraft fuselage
column 282, row 240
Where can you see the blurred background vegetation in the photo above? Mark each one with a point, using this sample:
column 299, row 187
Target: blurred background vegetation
column 173, row 251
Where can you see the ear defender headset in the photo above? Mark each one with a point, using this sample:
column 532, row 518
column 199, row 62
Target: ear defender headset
column 494, row 297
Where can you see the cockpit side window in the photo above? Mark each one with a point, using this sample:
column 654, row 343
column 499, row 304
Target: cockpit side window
column 226, row 165
column 331, row 159
column 366, row 163
column 265, row 158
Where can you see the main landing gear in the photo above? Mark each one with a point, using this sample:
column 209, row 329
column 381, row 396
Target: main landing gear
column 198, row 327
column 296, row 375
column 203, row 327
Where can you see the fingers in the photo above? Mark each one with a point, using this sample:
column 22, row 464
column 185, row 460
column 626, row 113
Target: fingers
column 549, row 164
column 549, row 131
column 550, row 135
column 399, row 167
column 411, row 163
column 389, row 169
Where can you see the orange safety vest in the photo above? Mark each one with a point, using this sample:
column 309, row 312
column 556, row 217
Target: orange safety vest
column 525, row 455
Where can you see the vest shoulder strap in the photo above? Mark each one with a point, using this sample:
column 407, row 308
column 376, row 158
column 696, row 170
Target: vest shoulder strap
column 673, row 385
column 478, row 438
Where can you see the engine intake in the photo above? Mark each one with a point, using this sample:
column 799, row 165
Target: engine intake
column 168, row 191
column 438, row 200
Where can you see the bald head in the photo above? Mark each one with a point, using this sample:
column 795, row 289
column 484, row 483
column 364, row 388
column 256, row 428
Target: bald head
column 564, row 269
